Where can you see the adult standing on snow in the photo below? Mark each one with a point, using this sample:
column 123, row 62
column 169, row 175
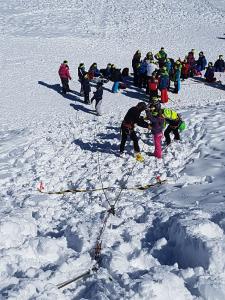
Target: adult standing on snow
column 98, row 97
column 127, row 128
column 64, row 75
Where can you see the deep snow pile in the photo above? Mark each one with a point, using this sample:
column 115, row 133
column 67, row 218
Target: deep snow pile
column 163, row 243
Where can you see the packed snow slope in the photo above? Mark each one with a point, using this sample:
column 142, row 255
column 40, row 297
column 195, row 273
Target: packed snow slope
column 166, row 242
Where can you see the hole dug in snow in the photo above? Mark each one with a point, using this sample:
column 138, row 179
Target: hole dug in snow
column 191, row 241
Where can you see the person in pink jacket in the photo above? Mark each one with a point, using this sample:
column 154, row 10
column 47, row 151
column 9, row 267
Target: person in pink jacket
column 64, row 75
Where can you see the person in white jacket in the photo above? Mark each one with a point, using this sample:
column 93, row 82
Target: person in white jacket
column 151, row 67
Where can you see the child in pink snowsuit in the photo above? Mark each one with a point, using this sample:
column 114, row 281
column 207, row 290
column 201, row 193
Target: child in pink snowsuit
column 157, row 124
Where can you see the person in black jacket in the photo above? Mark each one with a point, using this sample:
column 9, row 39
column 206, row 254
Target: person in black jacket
column 81, row 72
column 127, row 128
column 219, row 64
column 98, row 98
column 86, row 88
column 135, row 63
column 116, row 77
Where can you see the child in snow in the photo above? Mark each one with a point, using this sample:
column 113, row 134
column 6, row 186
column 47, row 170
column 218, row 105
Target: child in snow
column 185, row 69
column 191, row 61
column 93, row 71
column 163, row 84
column 64, row 75
column 86, row 88
column 174, row 121
column 176, row 76
column 220, row 64
column 209, row 74
column 200, row 64
column 151, row 68
column 153, row 87
column 116, row 77
column 106, row 73
column 161, row 56
column 157, row 123
column 98, row 98
column 81, row 73
column 135, row 62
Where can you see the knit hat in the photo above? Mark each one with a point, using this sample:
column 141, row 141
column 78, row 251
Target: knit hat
column 142, row 105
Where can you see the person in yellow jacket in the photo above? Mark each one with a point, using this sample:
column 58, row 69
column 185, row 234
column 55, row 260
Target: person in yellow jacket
column 175, row 124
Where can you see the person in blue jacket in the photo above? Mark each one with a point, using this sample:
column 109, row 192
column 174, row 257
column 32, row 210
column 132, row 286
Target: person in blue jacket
column 209, row 74
column 219, row 64
column 201, row 63
column 163, row 79
column 94, row 71
column 142, row 74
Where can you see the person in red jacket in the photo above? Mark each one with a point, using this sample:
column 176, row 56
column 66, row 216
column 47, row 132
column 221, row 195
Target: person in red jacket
column 64, row 75
column 153, row 87
column 185, row 69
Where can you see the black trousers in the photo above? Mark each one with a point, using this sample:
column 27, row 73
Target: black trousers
column 167, row 132
column 131, row 133
column 86, row 97
column 65, row 85
column 152, row 94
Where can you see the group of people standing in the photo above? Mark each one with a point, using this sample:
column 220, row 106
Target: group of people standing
column 156, row 119
column 154, row 73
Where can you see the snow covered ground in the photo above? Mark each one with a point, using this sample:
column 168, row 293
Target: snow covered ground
column 166, row 242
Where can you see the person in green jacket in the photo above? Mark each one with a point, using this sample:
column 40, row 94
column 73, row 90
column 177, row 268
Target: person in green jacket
column 175, row 124
column 161, row 56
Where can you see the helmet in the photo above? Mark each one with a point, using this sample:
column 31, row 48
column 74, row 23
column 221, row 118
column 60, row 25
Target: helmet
column 65, row 62
column 182, row 126
column 142, row 105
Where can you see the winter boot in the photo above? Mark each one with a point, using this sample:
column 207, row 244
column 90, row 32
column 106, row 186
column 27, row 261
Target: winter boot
column 139, row 157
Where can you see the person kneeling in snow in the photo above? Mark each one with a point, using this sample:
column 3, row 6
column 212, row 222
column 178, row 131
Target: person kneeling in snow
column 98, row 97
column 127, row 128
